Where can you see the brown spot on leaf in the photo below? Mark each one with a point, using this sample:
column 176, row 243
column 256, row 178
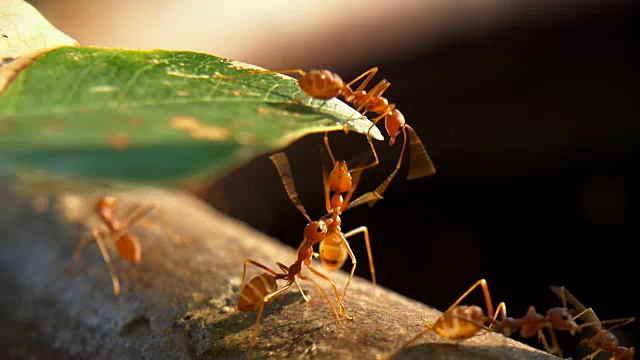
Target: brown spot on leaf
column 119, row 141
column 135, row 121
column 197, row 130
column 5, row 125
column 262, row 111
column 52, row 126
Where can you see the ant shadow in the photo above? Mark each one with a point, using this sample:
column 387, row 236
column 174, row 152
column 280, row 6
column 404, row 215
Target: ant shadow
column 216, row 332
column 239, row 321
column 455, row 351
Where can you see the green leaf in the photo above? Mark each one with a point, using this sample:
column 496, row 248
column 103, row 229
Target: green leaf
column 153, row 115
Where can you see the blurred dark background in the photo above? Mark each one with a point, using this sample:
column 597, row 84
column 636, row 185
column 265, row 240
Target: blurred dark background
column 534, row 132
column 532, row 120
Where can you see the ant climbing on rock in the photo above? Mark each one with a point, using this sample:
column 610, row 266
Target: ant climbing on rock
column 334, row 247
column 461, row 322
column 263, row 288
column 127, row 244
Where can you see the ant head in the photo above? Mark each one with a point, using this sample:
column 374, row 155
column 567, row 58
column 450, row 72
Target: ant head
column 601, row 340
column 340, row 180
column 107, row 207
column 394, row 123
column 315, row 231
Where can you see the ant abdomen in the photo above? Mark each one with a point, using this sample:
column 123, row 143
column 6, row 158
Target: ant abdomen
column 128, row 247
column 321, row 84
column 461, row 322
column 254, row 292
column 332, row 253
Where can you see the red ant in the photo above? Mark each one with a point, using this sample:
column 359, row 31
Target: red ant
column 555, row 319
column 334, row 247
column 126, row 243
column 602, row 340
column 420, row 164
column 263, row 288
column 325, row 85
column 463, row 322
column 459, row 322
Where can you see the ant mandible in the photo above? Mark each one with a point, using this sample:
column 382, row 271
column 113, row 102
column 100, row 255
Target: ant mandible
column 127, row 244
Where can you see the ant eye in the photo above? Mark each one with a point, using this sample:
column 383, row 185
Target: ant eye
column 319, row 229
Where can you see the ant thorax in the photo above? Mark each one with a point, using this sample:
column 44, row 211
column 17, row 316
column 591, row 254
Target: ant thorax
column 337, row 201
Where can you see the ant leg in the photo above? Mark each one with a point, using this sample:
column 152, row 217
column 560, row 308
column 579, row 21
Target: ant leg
column 107, row 259
column 555, row 348
column 138, row 213
column 285, row 270
column 327, row 190
column 165, row 223
column 78, row 252
column 377, row 193
column 485, row 291
column 304, row 296
column 265, row 300
column 343, row 311
column 502, row 311
column 619, row 322
column 376, row 92
column 333, row 309
column 592, row 315
column 326, row 145
column 375, row 155
column 365, row 231
column 415, row 338
column 592, row 355
column 164, row 220
column 256, row 328
column 255, row 263
column 357, row 169
column 420, row 165
column 369, row 74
